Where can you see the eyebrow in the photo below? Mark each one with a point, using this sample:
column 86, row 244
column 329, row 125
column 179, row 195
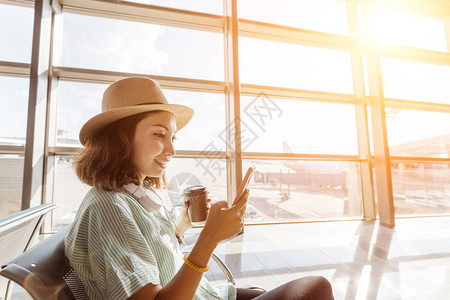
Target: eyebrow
column 161, row 125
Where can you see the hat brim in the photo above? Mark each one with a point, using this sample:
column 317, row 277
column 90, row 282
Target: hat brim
column 93, row 126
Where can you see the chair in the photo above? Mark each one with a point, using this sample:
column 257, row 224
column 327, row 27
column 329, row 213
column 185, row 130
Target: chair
column 45, row 273
column 17, row 233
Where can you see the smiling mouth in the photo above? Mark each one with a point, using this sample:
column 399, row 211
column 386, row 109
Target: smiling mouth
column 161, row 164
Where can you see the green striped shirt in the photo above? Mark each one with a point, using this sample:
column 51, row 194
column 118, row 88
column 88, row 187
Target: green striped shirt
column 117, row 247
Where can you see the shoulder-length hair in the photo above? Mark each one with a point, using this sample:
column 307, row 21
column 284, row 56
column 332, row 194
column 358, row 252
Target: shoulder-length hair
column 106, row 161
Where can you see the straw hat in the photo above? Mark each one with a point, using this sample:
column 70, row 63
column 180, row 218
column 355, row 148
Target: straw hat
column 128, row 97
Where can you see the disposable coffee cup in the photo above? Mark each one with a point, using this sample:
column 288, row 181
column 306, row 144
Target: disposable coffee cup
column 197, row 196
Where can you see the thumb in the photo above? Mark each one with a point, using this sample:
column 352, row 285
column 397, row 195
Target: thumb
column 219, row 205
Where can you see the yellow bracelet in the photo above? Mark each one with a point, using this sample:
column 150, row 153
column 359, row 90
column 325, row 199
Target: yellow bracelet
column 196, row 268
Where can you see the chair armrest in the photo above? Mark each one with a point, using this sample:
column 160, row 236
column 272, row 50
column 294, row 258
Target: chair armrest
column 224, row 268
column 16, row 273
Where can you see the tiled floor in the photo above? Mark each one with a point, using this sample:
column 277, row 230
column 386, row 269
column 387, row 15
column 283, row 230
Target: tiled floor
column 362, row 260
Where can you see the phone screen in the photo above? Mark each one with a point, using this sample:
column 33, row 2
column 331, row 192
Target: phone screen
column 244, row 184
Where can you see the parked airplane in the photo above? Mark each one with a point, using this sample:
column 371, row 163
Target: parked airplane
column 312, row 174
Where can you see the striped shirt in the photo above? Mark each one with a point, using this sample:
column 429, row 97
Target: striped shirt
column 117, row 247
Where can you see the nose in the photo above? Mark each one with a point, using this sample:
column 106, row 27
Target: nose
column 169, row 149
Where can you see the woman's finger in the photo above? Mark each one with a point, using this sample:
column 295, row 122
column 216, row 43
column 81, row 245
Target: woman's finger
column 242, row 201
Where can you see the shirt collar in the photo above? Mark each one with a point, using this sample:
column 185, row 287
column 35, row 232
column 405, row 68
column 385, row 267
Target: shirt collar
column 149, row 199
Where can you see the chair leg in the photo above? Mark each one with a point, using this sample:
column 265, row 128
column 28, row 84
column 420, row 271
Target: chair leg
column 8, row 291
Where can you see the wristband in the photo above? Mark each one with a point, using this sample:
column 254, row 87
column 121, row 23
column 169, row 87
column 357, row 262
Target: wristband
column 194, row 267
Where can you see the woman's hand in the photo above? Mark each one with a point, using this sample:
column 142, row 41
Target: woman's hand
column 183, row 223
column 224, row 222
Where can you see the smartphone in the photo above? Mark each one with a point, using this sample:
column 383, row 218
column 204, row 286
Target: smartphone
column 244, row 184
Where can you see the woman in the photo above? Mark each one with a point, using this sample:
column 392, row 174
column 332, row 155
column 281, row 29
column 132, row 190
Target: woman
column 122, row 244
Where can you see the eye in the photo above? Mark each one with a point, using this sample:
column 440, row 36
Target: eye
column 174, row 138
column 160, row 135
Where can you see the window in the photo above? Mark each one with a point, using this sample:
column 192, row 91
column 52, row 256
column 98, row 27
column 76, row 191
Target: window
column 126, row 46
column 206, row 130
column 421, row 188
column 319, row 15
column 11, row 178
column 300, row 190
column 429, row 137
column 68, row 192
column 294, row 66
column 14, row 103
column 16, row 34
column 292, row 126
column 184, row 172
column 312, row 113
column 395, row 27
column 78, row 102
column 16, row 31
column 415, row 81
column 205, row 6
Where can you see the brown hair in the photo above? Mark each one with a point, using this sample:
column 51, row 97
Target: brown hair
column 106, row 161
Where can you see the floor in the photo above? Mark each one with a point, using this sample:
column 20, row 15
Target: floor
column 362, row 260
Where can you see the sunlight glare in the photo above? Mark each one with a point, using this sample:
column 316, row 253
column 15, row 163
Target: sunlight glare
column 391, row 26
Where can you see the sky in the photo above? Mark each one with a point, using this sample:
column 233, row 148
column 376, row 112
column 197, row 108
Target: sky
column 117, row 45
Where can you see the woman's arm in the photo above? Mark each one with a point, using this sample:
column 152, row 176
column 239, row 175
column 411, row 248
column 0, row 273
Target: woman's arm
column 184, row 284
column 221, row 224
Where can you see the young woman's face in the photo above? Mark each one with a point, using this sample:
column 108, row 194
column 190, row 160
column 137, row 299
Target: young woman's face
column 153, row 143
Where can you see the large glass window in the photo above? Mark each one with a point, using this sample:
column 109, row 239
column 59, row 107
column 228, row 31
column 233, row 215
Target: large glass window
column 421, row 188
column 68, row 192
column 415, row 81
column 118, row 45
column 16, row 31
column 184, row 172
column 298, row 190
column 418, row 133
column 78, row 102
column 282, row 190
column 392, row 26
column 206, row 130
column 292, row 126
column 13, row 123
column 205, row 6
column 294, row 66
column 14, row 103
column 11, row 178
column 319, row 15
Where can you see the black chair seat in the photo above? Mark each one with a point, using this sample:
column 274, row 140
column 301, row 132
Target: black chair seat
column 45, row 273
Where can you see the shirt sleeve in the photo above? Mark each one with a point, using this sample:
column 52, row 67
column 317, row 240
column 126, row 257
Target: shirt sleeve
column 119, row 254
